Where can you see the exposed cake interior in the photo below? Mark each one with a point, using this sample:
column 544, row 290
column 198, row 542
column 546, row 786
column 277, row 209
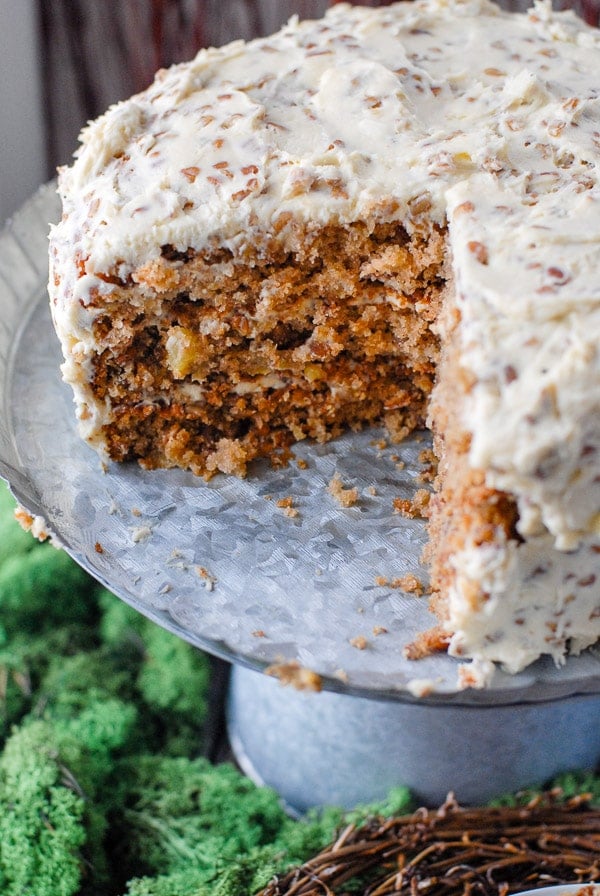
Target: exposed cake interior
column 210, row 362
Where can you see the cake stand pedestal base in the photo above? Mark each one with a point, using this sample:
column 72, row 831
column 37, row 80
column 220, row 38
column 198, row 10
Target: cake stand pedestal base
column 337, row 749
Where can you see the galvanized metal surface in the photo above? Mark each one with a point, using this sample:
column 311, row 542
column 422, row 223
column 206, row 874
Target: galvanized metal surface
column 222, row 563
column 334, row 749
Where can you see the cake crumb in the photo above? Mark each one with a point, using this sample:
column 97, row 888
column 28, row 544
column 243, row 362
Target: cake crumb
column 141, row 534
column 281, row 459
column 410, row 584
column 342, row 675
column 287, row 505
column 427, row 475
column 297, row 676
column 34, row 524
column 421, row 502
column 360, row 642
column 177, row 561
column 209, row 580
column 347, row 497
column 429, row 460
column 302, row 464
column 434, row 640
column 258, row 633
column 404, row 507
column 98, row 548
column 379, row 630
column 421, row 687
column 413, row 508
column 426, row 456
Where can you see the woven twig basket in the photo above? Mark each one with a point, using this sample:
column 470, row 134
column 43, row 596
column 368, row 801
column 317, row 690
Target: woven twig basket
column 454, row 851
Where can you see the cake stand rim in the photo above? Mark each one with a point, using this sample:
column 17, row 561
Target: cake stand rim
column 38, row 208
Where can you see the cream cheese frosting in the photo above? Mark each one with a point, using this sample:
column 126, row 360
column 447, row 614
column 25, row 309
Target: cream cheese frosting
column 489, row 120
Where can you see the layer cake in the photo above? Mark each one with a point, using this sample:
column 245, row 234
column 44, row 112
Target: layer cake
column 385, row 216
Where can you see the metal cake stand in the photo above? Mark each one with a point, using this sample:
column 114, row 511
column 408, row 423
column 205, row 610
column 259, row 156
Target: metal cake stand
column 272, row 570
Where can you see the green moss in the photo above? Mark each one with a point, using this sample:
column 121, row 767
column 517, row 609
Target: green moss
column 174, row 675
column 172, row 678
column 73, row 682
column 42, row 814
column 119, row 623
column 43, row 588
column 177, row 813
column 24, row 661
column 572, row 784
column 218, row 833
column 191, row 882
column 564, row 786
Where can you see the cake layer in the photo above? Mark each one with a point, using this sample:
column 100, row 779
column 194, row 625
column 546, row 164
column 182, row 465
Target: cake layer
column 208, row 362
